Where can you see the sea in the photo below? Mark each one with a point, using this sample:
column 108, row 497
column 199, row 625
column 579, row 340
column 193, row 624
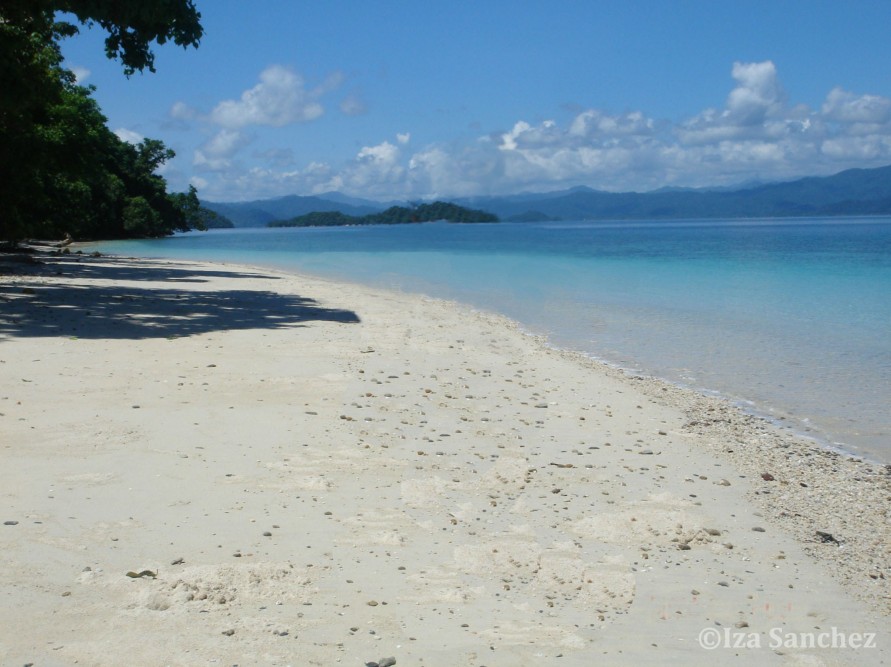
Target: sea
column 788, row 318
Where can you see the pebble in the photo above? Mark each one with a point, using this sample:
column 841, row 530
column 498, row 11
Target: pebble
column 827, row 538
column 383, row 662
column 10, row 523
column 372, row 603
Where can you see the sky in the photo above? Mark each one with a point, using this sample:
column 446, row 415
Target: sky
column 424, row 99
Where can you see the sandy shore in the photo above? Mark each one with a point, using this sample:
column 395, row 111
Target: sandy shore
column 219, row 465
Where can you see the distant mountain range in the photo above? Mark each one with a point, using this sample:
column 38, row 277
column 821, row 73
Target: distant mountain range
column 851, row 192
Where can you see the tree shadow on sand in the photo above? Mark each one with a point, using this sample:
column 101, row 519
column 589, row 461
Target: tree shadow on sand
column 79, row 309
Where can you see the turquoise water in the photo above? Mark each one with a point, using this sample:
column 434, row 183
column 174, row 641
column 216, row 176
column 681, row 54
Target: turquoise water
column 790, row 318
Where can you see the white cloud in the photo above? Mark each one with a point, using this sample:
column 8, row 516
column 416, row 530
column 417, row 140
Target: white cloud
column 81, row 74
column 216, row 154
column 279, row 99
column 865, row 110
column 352, row 105
column 129, row 136
column 182, row 111
column 594, row 124
column 225, row 143
column 756, row 134
column 375, row 169
column 757, row 96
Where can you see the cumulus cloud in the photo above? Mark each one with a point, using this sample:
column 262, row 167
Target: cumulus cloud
column 281, row 98
column 216, row 154
column 871, row 111
column 757, row 95
column 755, row 134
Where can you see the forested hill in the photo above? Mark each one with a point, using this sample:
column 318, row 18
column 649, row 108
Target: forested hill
column 851, row 192
column 395, row 215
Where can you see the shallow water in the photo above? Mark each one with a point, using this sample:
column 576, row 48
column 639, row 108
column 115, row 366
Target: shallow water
column 791, row 318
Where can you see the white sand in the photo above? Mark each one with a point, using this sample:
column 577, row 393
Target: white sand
column 320, row 473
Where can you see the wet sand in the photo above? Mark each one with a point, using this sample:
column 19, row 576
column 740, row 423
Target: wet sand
column 214, row 464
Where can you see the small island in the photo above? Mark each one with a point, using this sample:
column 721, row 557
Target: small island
column 395, row 215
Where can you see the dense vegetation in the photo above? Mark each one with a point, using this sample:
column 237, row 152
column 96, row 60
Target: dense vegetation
column 62, row 171
column 212, row 220
column 395, row 215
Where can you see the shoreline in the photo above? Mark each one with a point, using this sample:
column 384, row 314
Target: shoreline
column 802, row 420
column 529, row 486
column 742, row 405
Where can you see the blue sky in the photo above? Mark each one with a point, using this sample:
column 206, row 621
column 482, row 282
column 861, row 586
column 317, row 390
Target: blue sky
column 424, row 99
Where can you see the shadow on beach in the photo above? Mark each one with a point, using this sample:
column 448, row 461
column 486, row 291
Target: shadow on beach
column 76, row 308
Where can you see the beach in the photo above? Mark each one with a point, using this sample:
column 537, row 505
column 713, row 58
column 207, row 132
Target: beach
column 217, row 464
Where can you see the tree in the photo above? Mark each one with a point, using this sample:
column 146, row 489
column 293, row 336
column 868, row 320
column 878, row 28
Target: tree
column 61, row 169
column 132, row 25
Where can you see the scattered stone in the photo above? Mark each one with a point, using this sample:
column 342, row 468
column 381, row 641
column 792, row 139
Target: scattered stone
column 725, row 584
column 645, row 451
column 386, row 662
column 827, row 538
column 741, row 624
column 228, row 633
column 758, row 529
column 10, row 523
column 712, row 531
column 143, row 573
column 767, row 477
column 178, row 561
column 723, row 482
column 372, row 603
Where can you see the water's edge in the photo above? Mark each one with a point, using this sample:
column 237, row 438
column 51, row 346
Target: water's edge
column 786, row 423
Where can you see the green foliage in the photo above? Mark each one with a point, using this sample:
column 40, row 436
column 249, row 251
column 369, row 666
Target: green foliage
column 61, row 169
column 132, row 25
column 212, row 220
column 395, row 215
